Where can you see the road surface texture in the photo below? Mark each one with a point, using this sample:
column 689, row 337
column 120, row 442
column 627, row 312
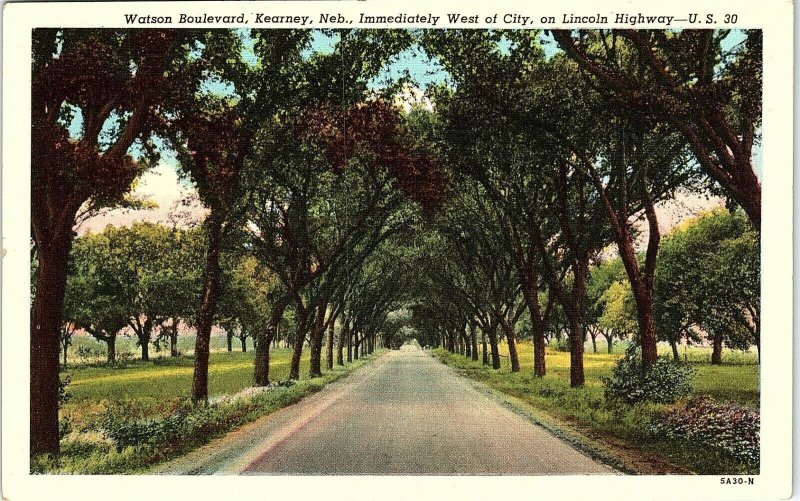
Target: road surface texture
column 405, row 413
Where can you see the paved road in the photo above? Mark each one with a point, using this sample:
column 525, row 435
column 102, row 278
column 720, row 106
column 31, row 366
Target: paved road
column 405, row 413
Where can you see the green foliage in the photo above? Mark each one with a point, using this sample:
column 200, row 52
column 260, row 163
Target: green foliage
column 63, row 394
column 708, row 275
column 124, row 433
column 663, row 382
column 86, row 353
column 64, row 427
column 131, row 275
column 619, row 309
column 562, row 344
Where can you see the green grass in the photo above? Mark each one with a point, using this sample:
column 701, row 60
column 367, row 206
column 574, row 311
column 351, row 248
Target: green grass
column 586, row 409
column 154, row 390
column 154, row 387
column 736, row 380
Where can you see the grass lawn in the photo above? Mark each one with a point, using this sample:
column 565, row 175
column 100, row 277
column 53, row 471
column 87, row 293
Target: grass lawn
column 736, row 380
column 152, row 388
column 586, row 410
column 149, row 401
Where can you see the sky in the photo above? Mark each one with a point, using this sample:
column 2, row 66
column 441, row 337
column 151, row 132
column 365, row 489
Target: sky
column 162, row 185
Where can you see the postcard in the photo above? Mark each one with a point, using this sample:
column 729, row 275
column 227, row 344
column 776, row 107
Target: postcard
column 369, row 250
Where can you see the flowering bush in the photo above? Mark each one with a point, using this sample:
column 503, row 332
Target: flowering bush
column 730, row 427
column 664, row 382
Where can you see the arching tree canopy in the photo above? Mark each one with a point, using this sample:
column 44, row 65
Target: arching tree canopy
column 520, row 197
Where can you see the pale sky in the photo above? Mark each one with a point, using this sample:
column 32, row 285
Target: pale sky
column 160, row 185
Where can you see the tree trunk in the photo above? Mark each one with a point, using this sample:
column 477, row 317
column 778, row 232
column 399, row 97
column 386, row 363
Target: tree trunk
column 244, row 344
column 144, row 339
column 529, row 280
column 229, row 335
column 299, row 339
column 111, row 348
column 46, row 320
column 349, row 346
column 208, row 305
column 474, row 340
column 145, row 351
column 647, row 328
column 317, row 334
column 593, row 336
column 675, row 355
column 642, row 281
column 173, row 339
column 576, row 375
column 65, row 347
column 485, row 360
column 329, row 345
column 716, row 354
column 511, row 339
column 495, row 349
column 265, row 338
column 356, row 343
column 343, row 338
column 609, row 342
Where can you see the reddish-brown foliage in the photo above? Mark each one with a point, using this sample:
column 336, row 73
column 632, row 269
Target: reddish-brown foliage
column 87, row 74
column 374, row 130
column 216, row 146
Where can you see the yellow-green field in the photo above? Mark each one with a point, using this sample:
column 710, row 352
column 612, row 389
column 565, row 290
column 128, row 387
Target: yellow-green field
column 736, row 380
column 152, row 388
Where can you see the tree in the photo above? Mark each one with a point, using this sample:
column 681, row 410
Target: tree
column 139, row 276
column 93, row 299
column 511, row 130
column 310, row 232
column 473, row 231
column 619, row 309
column 709, row 277
column 214, row 138
column 67, row 331
column 687, row 80
column 181, row 283
column 114, row 78
column 601, row 278
column 247, row 294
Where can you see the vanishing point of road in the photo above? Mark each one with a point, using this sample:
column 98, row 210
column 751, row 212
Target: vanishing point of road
column 405, row 413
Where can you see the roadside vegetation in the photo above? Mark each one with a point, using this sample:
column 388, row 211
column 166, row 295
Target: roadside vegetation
column 633, row 431
column 128, row 418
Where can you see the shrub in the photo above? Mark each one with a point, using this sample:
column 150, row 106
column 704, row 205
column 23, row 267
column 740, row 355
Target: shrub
column 87, row 353
column 63, row 394
column 664, row 382
column 64, row 427
column 124, row 357
column 562, row 344
column 732, row 428
column 124, row 431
